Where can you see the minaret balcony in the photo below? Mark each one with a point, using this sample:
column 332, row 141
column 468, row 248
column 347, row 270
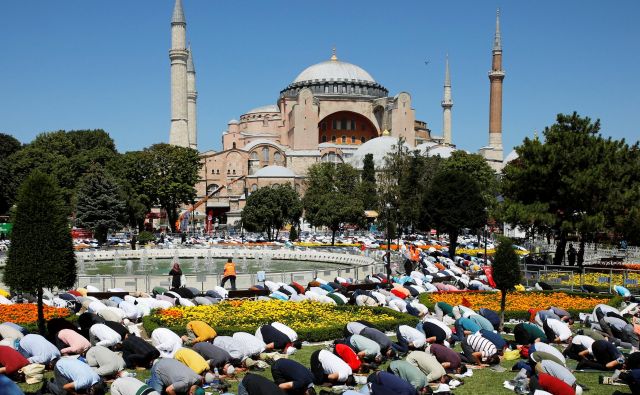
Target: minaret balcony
column 447, row 103
column 496, row 74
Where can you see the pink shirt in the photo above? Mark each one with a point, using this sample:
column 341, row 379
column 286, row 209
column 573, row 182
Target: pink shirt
column 76, row 342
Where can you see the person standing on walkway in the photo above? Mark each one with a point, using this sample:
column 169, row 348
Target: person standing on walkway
column 229, row 274
column 176, row 273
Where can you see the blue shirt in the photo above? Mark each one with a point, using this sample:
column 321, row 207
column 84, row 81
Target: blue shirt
column 469, row 325
column 483, row 322
column 389, row 384
column 77, row 371
column 8, row 387
column 494, row 338
column 37, row 349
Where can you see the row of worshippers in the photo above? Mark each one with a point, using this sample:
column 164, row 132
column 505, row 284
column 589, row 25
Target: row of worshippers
column 83, row 364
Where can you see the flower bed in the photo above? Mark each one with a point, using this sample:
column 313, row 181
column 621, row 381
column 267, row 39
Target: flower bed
column 313, row 321
column 518, row 303
column 28, row 313
column 591, row 278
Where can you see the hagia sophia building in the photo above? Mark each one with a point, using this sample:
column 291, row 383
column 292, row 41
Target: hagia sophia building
column 333, row 111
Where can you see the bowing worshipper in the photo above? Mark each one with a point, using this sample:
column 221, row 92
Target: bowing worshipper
column 131, row 386
column 429, row 365
column 448, row 358
column 86, row 321
column 198, row 331
column 385, row 383
column 408, row 372
column 253, row 384
column 9, row 332
column 579, row 347
column 137, row 353
column 71, row 342
column 37, row 349
column 105, row 362
column 231, row 346
column 480, row 351
column 8, row 387
column 464, row 327
column 217, row 358
column 292, row 377
column 120, row 329
column 250, row 344
column 193, row 360
column 11, row 361
column 166, row 341
column 491, row 316
column 276, row 339
column 72, row 376
column 409, row 338
column 352, row 359
column 435, row 331
column 55, row 325
column 604, row 355
column 550, row 384
column 365, row 348
column 329, row 368
column 355, row 327
column 386, row 345
column 557, row 331
column 174, row 378
column 526, row 333
column 555, row 369
column 102, row 335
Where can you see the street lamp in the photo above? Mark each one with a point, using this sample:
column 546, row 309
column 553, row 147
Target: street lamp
column 388, row 263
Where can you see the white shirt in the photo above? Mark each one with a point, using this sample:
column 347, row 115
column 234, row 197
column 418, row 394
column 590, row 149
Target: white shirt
column 549, row 349
column 413, row 336
column 331, row 363
column 96, row 306
column 561, row 329
column 441, row 324
column 584, row 341
column 102, row 335
column 355, row 327
column 291, row 334
column 130, row 310
column 250, row 344
column 230, row 345
column 166, row 341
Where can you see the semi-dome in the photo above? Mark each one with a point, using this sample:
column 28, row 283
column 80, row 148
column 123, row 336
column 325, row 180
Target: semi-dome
column 379, row 147
column 442, row 151
column 274, row 172
column 334, row 70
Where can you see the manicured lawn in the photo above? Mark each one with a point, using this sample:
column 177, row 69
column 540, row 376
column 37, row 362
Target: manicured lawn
column 484, row 381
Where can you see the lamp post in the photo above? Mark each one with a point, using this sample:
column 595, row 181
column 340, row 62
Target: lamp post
column 485, row 244
column 388, row 263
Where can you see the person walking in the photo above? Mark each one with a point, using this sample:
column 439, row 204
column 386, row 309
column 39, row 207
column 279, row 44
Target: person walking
column 229, row 274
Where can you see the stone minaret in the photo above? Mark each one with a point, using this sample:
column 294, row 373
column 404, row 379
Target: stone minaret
column 496, row 76
column 192, row 97
column 179, row 133
column 447, row 103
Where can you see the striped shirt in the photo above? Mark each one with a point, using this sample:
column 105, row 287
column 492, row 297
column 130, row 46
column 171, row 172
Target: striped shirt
column 482, row 345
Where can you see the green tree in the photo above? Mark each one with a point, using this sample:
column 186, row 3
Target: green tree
column 41, row 253
column 269, row 209
column 8, row 146
column 367, row 188
column 133, row 170
column 506, row 271
column 331, row 198
column 574, row 181
column 454, row 201
column 99, row 206
column 476, row 167
column 172, row 178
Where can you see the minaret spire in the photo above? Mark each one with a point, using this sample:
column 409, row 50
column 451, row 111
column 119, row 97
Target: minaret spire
column 178, row 54
column 497, row 40
column 447, row 103
column 192, row 97
column 334, row 57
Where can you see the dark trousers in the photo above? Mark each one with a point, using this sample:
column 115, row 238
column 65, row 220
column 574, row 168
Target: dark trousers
column 548, row 332
column 402, row 345
column 467, row 351
column 634, row 386
column 233, row 281
column 316, row 368
column 572, row 351
column 56, row 386
column 142, row 360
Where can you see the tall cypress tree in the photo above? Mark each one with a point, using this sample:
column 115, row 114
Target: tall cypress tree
column 368, row 189
column 506, row 271
column 41, row 252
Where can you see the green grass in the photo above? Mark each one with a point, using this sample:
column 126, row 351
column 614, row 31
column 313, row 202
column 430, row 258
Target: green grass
column 484, row 381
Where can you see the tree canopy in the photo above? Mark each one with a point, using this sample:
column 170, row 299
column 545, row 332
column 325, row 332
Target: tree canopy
column 454, row 201
column 41, row 253
column 332, row 198
column 172, row 177
column 573, row 181
column 269, row 209
column 99, row 205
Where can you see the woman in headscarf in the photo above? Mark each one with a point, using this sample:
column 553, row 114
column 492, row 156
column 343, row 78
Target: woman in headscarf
column 176, row 272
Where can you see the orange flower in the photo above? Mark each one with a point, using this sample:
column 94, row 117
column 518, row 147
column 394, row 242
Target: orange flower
column 28, row 313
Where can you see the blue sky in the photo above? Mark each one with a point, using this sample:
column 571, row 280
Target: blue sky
column 78, row 64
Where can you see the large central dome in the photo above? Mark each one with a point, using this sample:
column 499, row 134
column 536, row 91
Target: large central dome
column 334, row 70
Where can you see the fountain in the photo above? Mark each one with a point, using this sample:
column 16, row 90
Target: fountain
column 129, row 266
column 81, row 265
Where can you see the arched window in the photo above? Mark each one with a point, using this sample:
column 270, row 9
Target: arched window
column 254, row 187
column 344, row 139
column 324, row 138
column 275, row 185
column 234, row 145
column 212, row 188
column 265, row 154
column 233, row 171
column 333, row 139
column 254, row 155
column 277, row 158
column 353, row 139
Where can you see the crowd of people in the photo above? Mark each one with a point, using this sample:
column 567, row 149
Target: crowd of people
column 97, row 352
